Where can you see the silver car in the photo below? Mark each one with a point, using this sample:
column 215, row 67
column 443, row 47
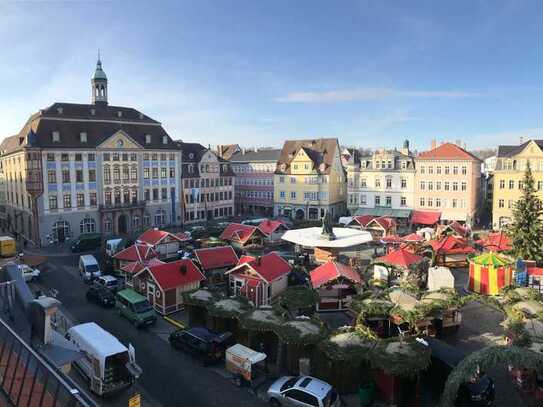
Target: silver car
column 303, row 391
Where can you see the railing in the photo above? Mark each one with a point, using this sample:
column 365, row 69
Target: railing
column 26, row 379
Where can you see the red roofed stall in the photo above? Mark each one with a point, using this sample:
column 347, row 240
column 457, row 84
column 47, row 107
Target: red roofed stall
column 163, row 284
column 496, row 242
column 427, row 218
column 137, row 253
column 135, row 267
column 361, row 221
column 451, row 251
column 273, row 230
column 167, row 244
column 260, row 279
column 381, row 227
column 400, row 260
column 215, row 261
column 242, row 236
column 336, row 283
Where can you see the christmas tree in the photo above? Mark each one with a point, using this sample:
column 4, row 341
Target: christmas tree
column 526, row 231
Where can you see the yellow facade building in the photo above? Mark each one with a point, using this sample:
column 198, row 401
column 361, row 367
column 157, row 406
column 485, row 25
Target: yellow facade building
column 310, row 180
column 508, row 176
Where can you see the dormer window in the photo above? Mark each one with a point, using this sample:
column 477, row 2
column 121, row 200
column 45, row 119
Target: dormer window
column 120, row 143
column 60, row 110
column 56, row 136
column 119, row 114
column 83, row 137
column 147, row 139
column 164, row 139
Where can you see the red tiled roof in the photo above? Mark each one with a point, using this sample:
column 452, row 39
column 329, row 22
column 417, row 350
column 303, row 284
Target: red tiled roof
column 175, row 274
column 270, row 266
column 363, row 220
column 238, row 232
column 458, row 228
column 269, row 226
column 216, row 257
column 383, row 221
column 136, row 266
column 137, row 252
column 451, row 245
column 246, row 259
column 391, row 239
column 447, row 151
column 498, row 242
column 400, row 257
column 425, row 217
column 155, row 236
column 331, row 271
column 412, row 237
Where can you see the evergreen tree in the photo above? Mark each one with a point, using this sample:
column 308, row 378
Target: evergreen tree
column 526, row 231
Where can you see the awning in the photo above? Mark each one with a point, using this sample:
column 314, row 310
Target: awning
column 425, row 217
column 382, row 211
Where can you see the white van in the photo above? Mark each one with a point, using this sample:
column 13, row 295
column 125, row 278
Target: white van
column 89, row 268
column 107, row 364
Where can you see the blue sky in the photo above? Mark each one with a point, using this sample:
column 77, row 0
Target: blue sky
column 371, row 73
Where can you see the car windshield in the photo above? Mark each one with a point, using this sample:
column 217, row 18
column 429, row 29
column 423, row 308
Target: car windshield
column 289, row 383
column 330, row 398
column 142, row 306
column 91, row 268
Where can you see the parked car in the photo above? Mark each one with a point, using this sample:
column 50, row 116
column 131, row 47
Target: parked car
column 302, row 391
column 478, row 391
column 135, row 308
column 89, row 268
column 101, row 296
column 113, row 284
column 28, row 272
column 207, row 345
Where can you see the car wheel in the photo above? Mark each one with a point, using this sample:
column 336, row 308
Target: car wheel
column 275, row 403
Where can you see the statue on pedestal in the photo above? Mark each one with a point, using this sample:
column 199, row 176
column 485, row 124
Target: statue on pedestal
column 327, row 229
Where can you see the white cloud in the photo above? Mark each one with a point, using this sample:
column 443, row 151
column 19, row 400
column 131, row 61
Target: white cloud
column 362, row 94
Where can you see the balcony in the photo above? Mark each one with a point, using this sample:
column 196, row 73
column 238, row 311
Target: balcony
column 124, row 205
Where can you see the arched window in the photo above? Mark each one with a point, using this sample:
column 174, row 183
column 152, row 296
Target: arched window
column 87, row 225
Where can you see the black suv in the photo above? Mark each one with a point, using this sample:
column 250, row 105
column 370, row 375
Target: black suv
column 101, row 296
column 207, row 345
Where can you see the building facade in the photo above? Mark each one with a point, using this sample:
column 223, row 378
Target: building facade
column 208, row 184
column 310, row 180
column 384, row 180
column 448, row 180
column 81, row 168
column 508, row 178
column 254, row 180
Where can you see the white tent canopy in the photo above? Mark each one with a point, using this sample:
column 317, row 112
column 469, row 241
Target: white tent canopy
column 312, row 237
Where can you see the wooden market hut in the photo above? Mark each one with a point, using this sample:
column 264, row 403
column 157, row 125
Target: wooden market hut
column 444, row 310
column 165, row 243
column 400, row 265
column 375, row 314
column 336, row 283
column 495, row 242
column 489, row 273
column 397, row 366
column 451, row 251
column 243, row 236
column 343, row 360
column 381, row 227
column 139, row 252
column 405, row 315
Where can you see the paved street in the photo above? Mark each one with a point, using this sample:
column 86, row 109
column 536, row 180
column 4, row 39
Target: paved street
column 169, row 378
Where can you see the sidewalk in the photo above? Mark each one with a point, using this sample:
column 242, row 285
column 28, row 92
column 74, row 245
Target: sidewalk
column 50, row 251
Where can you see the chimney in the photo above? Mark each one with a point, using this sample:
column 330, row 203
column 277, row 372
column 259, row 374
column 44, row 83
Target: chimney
column 433, row 144
column 41, row 311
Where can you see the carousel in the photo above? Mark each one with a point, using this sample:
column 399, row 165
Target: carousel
column 327, row 242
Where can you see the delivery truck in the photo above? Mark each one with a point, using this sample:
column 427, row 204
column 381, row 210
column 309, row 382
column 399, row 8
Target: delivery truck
column 107, row 364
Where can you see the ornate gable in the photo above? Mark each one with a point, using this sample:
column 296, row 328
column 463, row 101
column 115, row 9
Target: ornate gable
column 119, row 140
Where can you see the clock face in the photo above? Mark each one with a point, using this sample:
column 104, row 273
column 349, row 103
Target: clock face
column 120, row 143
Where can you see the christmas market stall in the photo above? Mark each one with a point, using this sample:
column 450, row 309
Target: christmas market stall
column 226, row 313
column 451, row 251
column 197, row 303
column 336, row 283
column 397, row 365
column 375, row 314
column 343, row 360
column 243, row 236
column 409, row 315
column 495, row 242
column 489, row 273
column 443, row 307
column 400, row 266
